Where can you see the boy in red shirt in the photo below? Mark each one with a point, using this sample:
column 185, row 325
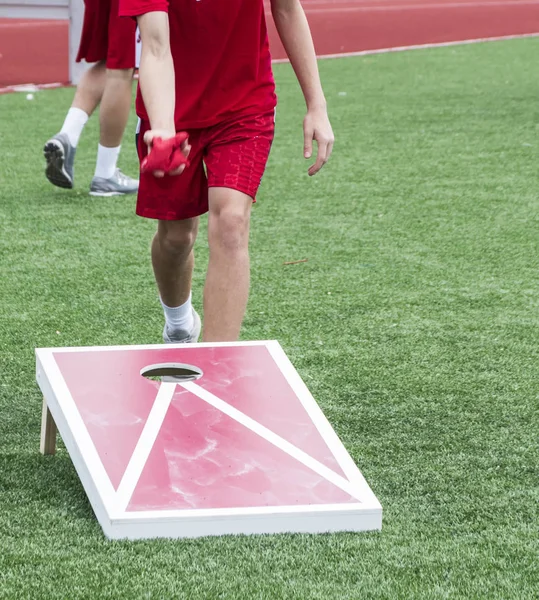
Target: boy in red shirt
column 206, row 69
column 108, row 41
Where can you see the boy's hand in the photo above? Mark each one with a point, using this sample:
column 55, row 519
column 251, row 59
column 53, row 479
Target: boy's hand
column 167, row 152
column 316, row 126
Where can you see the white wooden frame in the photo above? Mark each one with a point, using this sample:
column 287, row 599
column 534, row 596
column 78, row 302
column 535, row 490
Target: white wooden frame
column 110, row 505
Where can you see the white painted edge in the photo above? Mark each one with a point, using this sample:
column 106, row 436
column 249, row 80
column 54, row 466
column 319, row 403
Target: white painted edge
column 75, row 435
column 144, row 446
column 218, row 513
column 273, row 438
column 320, row 421
column 153, row 347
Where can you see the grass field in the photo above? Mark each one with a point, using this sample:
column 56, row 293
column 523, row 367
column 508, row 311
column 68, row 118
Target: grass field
column 414, row 323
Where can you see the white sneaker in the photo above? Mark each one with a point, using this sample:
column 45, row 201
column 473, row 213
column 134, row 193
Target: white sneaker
column 181, row 336
column 117, row 185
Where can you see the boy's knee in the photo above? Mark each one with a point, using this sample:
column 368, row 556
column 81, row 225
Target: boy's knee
column 177, row 237
column 229, row 228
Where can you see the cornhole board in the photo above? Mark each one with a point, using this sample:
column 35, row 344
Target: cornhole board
column 242, row 449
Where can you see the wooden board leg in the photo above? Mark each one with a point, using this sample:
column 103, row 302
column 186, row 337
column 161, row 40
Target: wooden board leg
column 48, row 431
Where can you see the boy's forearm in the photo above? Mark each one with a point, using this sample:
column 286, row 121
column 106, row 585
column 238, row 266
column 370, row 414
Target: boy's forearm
column 156, row 72
column 295, row 35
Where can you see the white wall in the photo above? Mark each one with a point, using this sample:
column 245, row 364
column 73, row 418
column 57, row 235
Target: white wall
column 34, row 9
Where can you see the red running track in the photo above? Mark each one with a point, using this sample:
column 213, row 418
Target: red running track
column 37, row 51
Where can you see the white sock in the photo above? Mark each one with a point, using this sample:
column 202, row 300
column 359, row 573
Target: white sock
column 106, row 161
column 179, row 317
column 73, row 125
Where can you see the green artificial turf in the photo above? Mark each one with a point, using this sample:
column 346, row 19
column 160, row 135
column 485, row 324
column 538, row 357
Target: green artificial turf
column 414, row 323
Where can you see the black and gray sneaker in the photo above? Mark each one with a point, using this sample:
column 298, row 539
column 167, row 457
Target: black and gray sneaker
column 117, row 185
column 184, row 337
column 59, row 154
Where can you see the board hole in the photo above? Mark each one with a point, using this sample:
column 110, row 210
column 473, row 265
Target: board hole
column 171, row 372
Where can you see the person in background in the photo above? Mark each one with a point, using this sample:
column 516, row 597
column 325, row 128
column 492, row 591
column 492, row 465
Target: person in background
column 108, row 41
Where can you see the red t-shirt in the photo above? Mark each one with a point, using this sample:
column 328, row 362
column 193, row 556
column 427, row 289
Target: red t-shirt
column 221, row 58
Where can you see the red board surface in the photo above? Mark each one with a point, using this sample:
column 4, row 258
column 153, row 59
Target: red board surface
column 204, row 459
column 201, row 458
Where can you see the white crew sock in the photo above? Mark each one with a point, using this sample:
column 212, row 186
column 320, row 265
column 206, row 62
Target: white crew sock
column 73, row 125
column 106, row 161
column 179, row 317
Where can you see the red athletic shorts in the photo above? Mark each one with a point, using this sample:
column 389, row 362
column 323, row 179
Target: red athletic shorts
column 106, row 36
column 231, row 154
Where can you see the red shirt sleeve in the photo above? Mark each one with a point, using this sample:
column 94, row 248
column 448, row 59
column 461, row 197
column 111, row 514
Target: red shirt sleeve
column 135, row 8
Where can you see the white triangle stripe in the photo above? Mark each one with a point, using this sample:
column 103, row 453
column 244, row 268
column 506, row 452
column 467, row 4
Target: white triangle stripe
column 349, row 467
column 154, row 423
column 144, row 445
column 274, row 439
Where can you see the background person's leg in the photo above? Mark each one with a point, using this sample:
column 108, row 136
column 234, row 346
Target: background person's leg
column 60, row 150
column 90, row 89
column 115, row 106
column 113, row 117
column 227, row 283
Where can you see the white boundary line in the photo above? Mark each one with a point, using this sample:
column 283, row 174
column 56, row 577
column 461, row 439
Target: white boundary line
column 31, row 87
column 418, row 6
column 144, row 446
column 45, row 86
column 376, row 3
column 273, row 438
column 501, row 38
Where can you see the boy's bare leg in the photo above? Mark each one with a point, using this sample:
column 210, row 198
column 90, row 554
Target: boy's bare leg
column 173, row 262
column 173, row 259
column 227, row 283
